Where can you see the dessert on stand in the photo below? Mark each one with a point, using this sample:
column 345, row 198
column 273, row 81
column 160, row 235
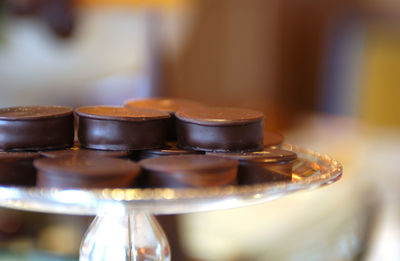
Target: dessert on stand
column 125, row 228
column 237, row 171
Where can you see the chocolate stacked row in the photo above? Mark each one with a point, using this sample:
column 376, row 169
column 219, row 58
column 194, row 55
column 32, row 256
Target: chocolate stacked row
column 29, row 132
column 104, row 133
column 229, row 133
column 24, row 131
column 168, row 136
column 112, row 129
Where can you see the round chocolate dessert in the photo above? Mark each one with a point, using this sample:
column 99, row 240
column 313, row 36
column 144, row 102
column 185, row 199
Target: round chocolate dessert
column 220, row 129
column 86, row 172
column 170, row 105
column 169, row 150
column 119, row 128
column 36, row 128
column 272, row 138
column 76, row 150
column 189, row 171
column 16, row 168
column 269, row 165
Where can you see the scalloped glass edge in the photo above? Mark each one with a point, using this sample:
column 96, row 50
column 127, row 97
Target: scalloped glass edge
column 167, row 200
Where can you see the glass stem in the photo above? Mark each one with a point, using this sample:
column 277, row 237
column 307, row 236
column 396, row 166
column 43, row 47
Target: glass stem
column 132, row 236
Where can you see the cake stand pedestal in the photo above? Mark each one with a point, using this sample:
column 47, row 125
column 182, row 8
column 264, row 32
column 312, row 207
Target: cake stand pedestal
column 125, row 228
column 119, row 236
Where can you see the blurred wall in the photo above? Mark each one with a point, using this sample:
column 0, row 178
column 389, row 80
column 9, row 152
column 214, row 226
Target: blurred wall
column 380, row 97
column 260, row 54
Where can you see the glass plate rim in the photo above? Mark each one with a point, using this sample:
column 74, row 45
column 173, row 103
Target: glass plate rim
column 85, row 201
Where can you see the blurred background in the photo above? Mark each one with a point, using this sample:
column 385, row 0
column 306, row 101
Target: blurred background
column 325, row 74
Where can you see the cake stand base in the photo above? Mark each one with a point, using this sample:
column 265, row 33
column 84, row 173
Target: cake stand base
column 133, row 236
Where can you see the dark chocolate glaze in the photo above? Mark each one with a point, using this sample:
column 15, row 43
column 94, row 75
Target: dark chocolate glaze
column 269, row 165
column 170, row 105
column 169, row 150
column 86, row 172
column 220, row 129
column 246, row 137
column 36, row 128
column 272, row 138
column 120, row 113
column 189, row 171
column 219, row 116
column 76, row 150
column 119, row 128
column 16, row 168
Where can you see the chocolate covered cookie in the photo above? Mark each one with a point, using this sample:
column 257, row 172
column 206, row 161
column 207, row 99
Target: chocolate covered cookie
column 119, row 128
column 36, row 128
column 220, row 129
column 272, row 138
column 79, row 171
column 16, row 168
column 170, row 105
column 269, row 165
column 189, row 171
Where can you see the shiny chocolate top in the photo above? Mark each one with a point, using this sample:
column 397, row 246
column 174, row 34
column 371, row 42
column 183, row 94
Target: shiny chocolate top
column 84, row 153
column 121, row 113
column 33, row 128
column 272, row 138
column 33, row 112
column 170, row 105
column 219, row 116
column 87, row 166
column 267, row 155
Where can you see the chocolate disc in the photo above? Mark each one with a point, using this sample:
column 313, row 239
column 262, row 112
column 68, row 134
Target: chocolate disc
column 86, row 172
column 220, row 129
column 16, row 168
column 170, row 105
column 272, row 138
column 269, row 165
column 189, row 171
column 169, row 150
column 119, row 128
column 36, row 127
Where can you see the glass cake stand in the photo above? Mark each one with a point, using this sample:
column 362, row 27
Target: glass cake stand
column 125, row 228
